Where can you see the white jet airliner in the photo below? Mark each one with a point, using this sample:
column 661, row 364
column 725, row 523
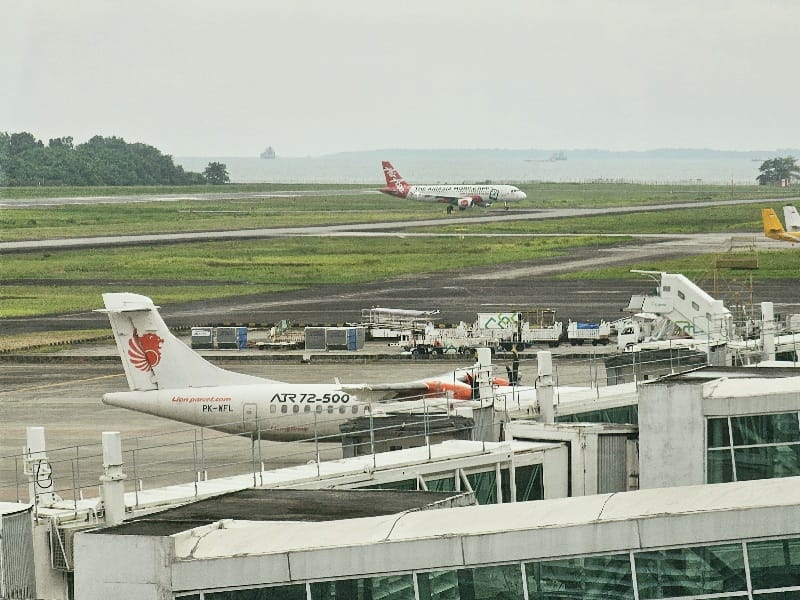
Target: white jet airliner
column 455, row 196
column 791, row 218
column 168, row 379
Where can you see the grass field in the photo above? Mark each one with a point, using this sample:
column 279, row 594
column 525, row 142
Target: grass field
column 37, row 282
column 41, row 283
column 722, row 219
column 772, row 264
column 67, row 221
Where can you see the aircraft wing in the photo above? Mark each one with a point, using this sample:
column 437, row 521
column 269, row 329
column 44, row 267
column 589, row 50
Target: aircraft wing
column 457, row 385
column 412, row 390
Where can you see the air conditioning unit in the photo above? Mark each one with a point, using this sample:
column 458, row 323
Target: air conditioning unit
column 62, row 543
column 17, row 577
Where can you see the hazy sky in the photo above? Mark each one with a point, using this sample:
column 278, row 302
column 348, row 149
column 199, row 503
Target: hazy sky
column 212, row 78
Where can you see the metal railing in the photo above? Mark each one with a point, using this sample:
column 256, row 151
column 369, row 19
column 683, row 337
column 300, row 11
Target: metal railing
column 195, row 454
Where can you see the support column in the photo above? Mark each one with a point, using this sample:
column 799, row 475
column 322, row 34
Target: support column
column 768, row 330
column 113, row 479
column 544, row 386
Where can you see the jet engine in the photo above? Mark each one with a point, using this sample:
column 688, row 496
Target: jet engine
column 464, row 203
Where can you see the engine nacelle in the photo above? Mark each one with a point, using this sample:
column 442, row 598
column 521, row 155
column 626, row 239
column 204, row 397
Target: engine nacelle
column 464, row 203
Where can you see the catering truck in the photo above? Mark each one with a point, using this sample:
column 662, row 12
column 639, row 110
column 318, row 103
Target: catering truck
column 579, row 332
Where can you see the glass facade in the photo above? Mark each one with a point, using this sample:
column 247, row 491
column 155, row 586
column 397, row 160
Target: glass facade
column 484, row 484
column 590, row 578
column 278, row 592
column 718, row 572
column 775, row 563
column 397, row 587
column 752, row 447
column 528, row 484
column 690, row 571
column 622, row 415
column 485, row 583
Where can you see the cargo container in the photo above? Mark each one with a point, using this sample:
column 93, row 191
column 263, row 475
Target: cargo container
column 315, row 338
column 232, row 338
column 202, row 337
column 335, row 338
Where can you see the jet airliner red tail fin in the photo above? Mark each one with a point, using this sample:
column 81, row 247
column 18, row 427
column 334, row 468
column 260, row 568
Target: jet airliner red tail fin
column 395, row 184
column 152, row 357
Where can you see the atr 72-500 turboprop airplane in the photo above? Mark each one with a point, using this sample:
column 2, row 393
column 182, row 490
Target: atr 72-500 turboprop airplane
column 168, row 379
column 455, row 196
column 773, row 228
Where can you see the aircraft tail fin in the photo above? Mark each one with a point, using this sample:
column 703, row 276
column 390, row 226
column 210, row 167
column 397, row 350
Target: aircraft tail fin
column 791, row 218
column 395, row 184
column 151, row 356
column 772, row 224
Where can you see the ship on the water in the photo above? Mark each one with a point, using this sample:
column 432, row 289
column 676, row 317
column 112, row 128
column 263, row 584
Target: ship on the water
column 269, row 152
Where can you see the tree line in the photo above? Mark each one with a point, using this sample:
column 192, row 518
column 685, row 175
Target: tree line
column 26, row 161
column 777, row 170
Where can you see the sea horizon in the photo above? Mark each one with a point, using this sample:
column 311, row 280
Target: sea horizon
column 663, row 166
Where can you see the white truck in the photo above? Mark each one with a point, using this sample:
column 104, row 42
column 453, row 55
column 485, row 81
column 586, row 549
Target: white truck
column 579, row 332
column 520, row 329
column 506, row 330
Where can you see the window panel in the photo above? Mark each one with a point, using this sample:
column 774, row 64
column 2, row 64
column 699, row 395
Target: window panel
column 392, row 587
column 690, row 571
column 406, row 485
column 767, row 462
column 484, row 485
column 279, row 592
column 438, row 585
column 774, row 563
column 502, row 582
column 529, row 483
column 718, row 433
column 447, row 484
column 589, row 578
column 719, row 467
column 765, row 429
column 622, row 415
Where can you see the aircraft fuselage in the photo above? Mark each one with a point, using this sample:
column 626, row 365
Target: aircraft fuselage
column 281, row 412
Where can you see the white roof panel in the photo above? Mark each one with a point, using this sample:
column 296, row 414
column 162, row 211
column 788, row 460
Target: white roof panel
column 748, row 387
column 239, row 538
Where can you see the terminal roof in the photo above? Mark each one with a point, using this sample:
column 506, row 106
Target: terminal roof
column 284, row 505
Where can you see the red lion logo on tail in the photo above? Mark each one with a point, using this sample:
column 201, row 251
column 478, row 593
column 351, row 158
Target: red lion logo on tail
column 145, row 351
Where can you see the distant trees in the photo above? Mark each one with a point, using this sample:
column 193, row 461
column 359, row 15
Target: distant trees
column 216, row 173
column 25, row 161
column 776, row 169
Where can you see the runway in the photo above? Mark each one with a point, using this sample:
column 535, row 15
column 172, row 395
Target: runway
column 353, row 229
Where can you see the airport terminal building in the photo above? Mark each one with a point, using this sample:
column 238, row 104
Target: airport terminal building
column 739, row 540
column 698, row 499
